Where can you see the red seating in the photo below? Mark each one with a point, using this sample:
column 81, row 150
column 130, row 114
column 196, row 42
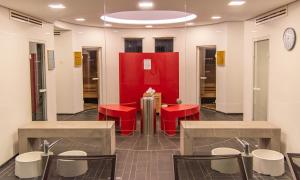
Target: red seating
column 131, row 104
column 127, row 116
column 171, row 113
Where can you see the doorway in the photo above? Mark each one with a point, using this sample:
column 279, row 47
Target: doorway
column 38, row 81
column 261, row 80
column 90, row 70
column 207, row 77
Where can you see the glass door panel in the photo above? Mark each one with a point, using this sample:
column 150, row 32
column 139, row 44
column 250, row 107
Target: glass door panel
column 202, row 73
column 38, row 81
column 260, row 85
column 207, row 77
column 90, row 78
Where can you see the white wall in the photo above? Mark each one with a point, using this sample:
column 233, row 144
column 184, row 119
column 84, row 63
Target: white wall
column 15, row 94
column 224, row 36
column 64, row 72
column 234, row 68
column 284, row 73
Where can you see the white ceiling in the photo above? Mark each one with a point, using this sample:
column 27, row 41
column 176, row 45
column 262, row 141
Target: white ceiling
column 91, row 10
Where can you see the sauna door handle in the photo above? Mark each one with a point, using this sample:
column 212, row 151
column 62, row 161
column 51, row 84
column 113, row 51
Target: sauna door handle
column 43, row 90
column 203, row 78
column 95, row 79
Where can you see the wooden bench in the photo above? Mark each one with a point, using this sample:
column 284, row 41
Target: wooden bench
column 268, row 134
column 105, row 131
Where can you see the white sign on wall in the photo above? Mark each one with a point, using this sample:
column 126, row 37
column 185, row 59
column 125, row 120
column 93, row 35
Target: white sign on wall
column 147, row 64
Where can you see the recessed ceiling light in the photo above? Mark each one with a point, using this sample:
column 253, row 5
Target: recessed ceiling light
column 216, row 17
column 153, row 17
column 57, row 6
column 236, row 3
column 148, row 26
column 190, row 24
column 80, row 19
column 146, row 4
column 107, row 25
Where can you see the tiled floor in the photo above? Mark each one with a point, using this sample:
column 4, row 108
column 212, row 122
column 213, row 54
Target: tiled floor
column 140, row 157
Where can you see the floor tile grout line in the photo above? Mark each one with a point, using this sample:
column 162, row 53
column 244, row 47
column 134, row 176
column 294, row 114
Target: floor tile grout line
column 124, row 163
column 6, row 169
column 136, row 166
column 131, row 164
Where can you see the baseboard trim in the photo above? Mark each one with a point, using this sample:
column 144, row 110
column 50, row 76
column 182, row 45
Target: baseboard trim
column 230, row 113
column 223, row 112
column 76, row 113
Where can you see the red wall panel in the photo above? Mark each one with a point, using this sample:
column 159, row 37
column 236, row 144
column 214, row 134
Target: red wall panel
column 163, row 76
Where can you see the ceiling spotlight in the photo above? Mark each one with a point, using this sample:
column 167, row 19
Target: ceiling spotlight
column 148, row 26
column 190, row 24
column 57, row 6
column 146, row 4
column 80, row 19
column 107, row 25
column 216, row 17
column 236, row 3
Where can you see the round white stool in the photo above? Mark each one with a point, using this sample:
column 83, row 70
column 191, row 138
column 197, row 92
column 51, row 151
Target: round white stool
column 268, row 162
column 72, row 168
column 28, row 165
column 226, row 166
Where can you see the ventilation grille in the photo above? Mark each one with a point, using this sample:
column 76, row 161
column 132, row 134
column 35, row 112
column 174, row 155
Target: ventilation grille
column 56, row 33
column 272, row 15
column 24, row 18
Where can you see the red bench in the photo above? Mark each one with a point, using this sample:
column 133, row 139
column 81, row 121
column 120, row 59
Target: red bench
column 181, row 111
column 126, row 115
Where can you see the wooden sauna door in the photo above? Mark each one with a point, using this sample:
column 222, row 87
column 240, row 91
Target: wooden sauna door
column 90, row 77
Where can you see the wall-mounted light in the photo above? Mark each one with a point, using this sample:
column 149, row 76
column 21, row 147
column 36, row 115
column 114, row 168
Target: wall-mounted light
column 149, row 26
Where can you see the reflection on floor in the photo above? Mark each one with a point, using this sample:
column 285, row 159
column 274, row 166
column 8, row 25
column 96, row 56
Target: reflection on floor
column 209, row 106
column 90, row 106
column 140, row 157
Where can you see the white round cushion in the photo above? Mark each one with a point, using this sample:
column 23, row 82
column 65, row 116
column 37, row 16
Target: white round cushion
column 28, row 165
column 268, row 162
column 72, row 168
column 226, row 166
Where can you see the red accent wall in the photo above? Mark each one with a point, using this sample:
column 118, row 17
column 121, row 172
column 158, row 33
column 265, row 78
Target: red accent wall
column 163, row 76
